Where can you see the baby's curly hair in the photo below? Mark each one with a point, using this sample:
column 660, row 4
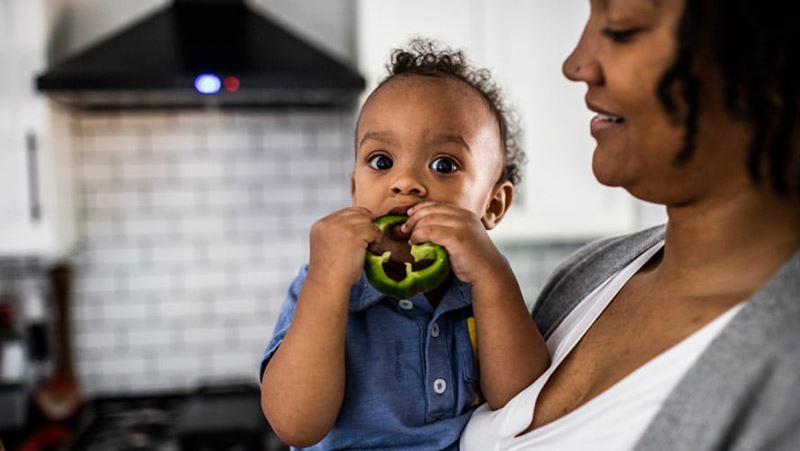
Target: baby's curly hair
column 425, row 57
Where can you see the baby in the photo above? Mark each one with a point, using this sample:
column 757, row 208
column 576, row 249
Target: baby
column 351, row 368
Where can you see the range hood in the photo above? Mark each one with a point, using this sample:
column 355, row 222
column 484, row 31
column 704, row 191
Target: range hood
column 197, row 54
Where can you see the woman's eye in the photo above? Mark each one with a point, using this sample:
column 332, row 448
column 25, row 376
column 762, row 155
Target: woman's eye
column 444, row 165
column 620, row 36
column 380, row 162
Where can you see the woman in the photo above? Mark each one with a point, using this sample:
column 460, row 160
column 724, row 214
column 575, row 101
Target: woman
column 684, row 336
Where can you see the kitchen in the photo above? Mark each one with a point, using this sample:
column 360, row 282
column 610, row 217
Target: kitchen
column 160, row 230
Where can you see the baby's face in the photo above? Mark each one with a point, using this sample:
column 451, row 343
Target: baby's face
column 425, row 138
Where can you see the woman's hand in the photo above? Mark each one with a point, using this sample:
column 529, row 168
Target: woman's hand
column 338, row 243
column 472, row 253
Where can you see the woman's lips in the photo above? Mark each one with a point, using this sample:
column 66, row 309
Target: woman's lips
column 605, row 123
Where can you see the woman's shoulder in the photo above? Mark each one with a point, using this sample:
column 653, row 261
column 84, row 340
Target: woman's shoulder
column 584, row 270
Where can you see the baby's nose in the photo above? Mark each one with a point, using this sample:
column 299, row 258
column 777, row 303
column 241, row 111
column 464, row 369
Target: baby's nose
column 408, row 184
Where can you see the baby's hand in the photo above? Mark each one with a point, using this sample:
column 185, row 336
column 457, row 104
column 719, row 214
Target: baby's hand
column 472, row 253
column 338, row 245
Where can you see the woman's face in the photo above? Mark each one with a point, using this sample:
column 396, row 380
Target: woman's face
column 622, row 55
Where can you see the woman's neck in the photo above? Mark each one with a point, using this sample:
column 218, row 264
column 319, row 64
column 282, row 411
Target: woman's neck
column 730, row 246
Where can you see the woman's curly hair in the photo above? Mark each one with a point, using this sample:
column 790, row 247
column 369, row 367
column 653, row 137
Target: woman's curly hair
column 753, row 44
column 424, row 57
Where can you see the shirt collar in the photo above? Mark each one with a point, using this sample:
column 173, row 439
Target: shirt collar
column 363, row 295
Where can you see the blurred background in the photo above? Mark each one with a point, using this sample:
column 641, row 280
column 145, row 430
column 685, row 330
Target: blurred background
column 161, row 162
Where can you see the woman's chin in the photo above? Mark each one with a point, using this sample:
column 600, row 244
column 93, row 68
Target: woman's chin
column 607, row 176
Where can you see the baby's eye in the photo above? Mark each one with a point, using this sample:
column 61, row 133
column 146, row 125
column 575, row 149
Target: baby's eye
column 444, row 165
column 380, row 162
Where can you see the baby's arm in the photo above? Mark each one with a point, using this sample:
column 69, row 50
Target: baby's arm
column 511, row 351
column 303, row 383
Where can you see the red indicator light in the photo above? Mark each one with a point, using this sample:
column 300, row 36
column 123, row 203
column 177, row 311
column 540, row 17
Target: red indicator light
column 231, row 84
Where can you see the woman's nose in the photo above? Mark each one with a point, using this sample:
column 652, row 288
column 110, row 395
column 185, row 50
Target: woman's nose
column 582, row 64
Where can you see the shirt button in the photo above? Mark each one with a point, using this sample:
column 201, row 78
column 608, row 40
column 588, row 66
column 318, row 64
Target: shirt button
column 435, row 330
column 405, row 304
column 439, row 386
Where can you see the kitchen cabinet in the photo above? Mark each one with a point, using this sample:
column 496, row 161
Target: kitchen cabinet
column 523, row 43
column 35, row 195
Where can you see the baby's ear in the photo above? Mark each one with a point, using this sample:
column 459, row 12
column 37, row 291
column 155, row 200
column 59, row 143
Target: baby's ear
column 502, row 195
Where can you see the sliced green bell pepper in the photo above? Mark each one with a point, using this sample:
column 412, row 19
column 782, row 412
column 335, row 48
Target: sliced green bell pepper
column 419, row 281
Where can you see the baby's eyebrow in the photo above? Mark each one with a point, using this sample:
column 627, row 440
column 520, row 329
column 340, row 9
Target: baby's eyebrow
column 385, row 137
column 447, row 138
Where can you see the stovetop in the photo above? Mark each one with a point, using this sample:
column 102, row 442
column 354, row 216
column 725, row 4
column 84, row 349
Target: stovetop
column 129, row 424
column 151, row 423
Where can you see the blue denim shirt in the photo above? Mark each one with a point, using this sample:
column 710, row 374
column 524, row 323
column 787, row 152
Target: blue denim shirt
column 411, row 375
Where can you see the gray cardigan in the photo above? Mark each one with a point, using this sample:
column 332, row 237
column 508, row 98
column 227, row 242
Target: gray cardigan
column 743, row 393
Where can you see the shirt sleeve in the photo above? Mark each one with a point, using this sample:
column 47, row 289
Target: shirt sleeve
column 284, row 320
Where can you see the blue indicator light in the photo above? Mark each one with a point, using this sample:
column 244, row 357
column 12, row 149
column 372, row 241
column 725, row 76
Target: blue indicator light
column 207, row 84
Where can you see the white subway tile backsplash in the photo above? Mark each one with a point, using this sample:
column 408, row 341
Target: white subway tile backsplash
column 233, row 364
column 126, row 366
column 152, row 337
column 174, row 254
column 225, row 198
column 92, row 124
column 175, row 198
column 256, row 277
column 236, row 139
column 207, row 171
column 179, row 363
column 131, row 256
column 144, row 280
column 97, row 340
column 105, row 202
column 204, row 336
column 99, row 228
column 147, row 171
column 239, row 307
column 87, row 285
column 206, row 227
column 194, row 224
column 258, row 333
column 293, row 140
column 126, row 311
column 178, row 142
column 202, row 280
column 117, row 144
column 156, row 228
column 188, row 309
column 103, row 173
column 148, row 122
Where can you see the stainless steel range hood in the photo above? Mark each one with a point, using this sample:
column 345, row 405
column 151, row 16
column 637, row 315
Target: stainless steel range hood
column 197, row 54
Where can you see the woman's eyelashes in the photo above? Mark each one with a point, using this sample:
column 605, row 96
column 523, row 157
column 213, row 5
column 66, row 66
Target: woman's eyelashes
column 620, row 35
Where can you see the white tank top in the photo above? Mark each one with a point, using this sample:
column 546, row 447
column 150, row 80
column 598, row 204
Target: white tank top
column 613, row 420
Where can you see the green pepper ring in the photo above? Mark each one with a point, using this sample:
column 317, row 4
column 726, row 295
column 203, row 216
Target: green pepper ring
column 420, row 281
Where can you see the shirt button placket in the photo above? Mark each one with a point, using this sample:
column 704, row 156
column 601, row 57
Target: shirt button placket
column 439, row 386
column 441, row 396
